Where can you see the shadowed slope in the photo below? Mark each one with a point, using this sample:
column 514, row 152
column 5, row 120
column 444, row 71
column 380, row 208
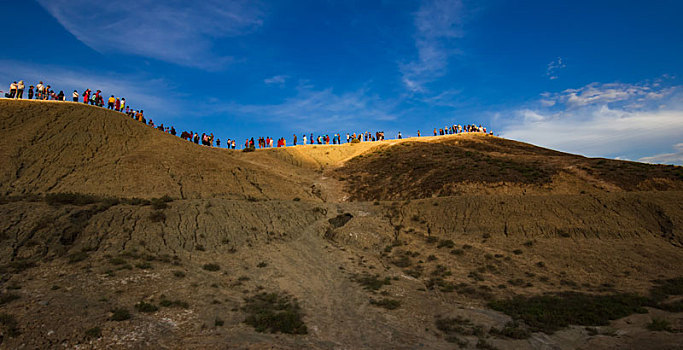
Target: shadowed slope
column 478, row 164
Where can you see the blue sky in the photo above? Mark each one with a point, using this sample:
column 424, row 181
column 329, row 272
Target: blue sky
column 598, row 78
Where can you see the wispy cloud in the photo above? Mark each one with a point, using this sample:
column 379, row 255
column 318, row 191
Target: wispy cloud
column 179, row 32
column 312, row 109
column 667, row 158
column 635, row 94
column 437, row 22
column 554, row 68
column 635, row 121
column 277, row 79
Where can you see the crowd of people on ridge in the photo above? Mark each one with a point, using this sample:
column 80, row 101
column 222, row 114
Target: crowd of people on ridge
column 44, row 92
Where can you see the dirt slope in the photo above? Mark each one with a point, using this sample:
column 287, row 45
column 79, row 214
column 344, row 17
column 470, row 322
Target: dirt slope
column 375, row 241
column 479, row 164
column 68, row 147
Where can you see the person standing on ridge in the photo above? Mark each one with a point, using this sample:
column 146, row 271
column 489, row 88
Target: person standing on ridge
column 12, row 90
column 30, row 92
column 123, row 103
column 117, row 105
column 75, row 96
column 20, row 89
column 110, row 102
column 294, row 140
column 39, row 90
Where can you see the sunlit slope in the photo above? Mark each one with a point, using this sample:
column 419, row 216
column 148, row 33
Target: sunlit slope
column 68, row 147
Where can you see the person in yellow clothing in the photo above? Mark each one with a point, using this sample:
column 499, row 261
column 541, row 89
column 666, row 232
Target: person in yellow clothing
column 110, row 102
column 123, row 104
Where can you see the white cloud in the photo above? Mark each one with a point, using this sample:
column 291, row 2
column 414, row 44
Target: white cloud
column 278, row 79
column 667, row 158
column 436, row 22
column 595, row 93
column 314, row 109
column 630, row 120
column 174, row 31
column 554, row 67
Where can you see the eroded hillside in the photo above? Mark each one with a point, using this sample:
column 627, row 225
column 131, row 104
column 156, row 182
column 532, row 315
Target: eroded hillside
column 115, row 235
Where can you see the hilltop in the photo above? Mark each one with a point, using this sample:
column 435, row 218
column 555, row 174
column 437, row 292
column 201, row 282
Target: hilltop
column 115, row 234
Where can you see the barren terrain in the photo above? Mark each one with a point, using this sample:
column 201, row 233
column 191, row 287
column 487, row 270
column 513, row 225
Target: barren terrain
column 116, row 235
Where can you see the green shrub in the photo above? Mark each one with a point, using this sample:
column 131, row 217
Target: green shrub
column 77, row 257
column 447, row 243
column 146, row 307
column 118, row 261
column 93, row 333
column 271, row 312
column 211, row 267
column 549, row 313
column 512, row 330
column 174, row 303
column 9, row 325
column 120, row 314
column 7, row 298
column 157, row 216
column 70, row 198
column 144, row 265
column 371, row 282
column 659, row 325
column 457, row 252
column 389, row 304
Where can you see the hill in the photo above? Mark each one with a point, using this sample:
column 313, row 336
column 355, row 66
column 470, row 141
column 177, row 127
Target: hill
column 116, row 235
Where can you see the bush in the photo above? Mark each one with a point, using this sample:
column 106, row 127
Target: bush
column 174, row 303
column 211, row 267
column 7, row 298
column 389, row 304
column 120, row 314
column 446, row 243
column 549, row 313
column 271, row 312
column 179, row 274
column 93, row 333
column 458, row 325
column 160, row 203
column 146, row 307
column 144, row 265
column 70, row 198
column 512, row 330
column 157, row 216
column 118, row 261
column 371, row 282
column 659, row 325
column 77, row 257
column 9, row 325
